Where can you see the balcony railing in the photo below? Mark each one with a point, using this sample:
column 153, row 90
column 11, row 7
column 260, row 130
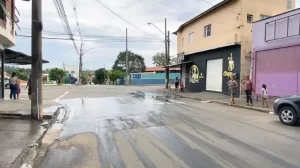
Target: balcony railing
column 282, row 28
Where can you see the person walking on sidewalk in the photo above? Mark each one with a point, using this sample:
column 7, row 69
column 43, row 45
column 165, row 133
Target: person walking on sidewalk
column 29, row 87
column 232, row 84
column 264, row 95
column 19, row 89
column 13, row 86
column 176, row 84
column 248, row 90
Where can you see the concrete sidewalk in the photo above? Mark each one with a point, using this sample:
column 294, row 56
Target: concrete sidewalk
column 18, row 138
column 224, row 99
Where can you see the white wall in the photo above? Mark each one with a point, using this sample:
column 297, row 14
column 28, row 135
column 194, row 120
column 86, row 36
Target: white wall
column 6, row 38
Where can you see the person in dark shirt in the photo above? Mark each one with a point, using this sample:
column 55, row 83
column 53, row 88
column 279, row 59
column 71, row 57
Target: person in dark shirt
column 29, row 87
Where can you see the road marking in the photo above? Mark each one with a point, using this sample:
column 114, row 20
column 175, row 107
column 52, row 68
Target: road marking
column 175, row 101
column 63, row 95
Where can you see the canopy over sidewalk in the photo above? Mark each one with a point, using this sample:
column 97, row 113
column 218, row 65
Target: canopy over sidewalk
column 15, row 57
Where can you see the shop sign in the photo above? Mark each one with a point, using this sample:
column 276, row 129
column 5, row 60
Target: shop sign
column 136, row 76
column 194, row 74
column 229, row 73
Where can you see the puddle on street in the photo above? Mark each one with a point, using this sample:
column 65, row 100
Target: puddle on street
column 137, row 110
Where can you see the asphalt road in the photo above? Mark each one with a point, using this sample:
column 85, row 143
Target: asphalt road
column 118, row 127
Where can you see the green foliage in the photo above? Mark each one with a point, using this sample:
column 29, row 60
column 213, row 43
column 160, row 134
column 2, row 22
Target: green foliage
column 136, row 62
column 100, row 76
column 159, row 59
column 54, row 73
column 21, row 74
column 115, row 74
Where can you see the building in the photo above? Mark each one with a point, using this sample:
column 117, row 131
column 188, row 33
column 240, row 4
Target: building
column 276, row 54
column 161, row 69
column 217, row 43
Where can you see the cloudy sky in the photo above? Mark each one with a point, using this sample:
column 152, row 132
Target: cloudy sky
column 104, row 32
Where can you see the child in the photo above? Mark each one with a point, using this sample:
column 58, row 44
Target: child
column 264, row 95
column 181, row 87
column 19, row 89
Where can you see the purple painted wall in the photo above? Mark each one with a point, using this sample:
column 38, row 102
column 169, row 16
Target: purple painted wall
column 259, row 33
column 276, row 63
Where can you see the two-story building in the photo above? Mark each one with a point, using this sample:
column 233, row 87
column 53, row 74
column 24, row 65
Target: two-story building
column 217, row 43
column 276, row 54
column 7, row 34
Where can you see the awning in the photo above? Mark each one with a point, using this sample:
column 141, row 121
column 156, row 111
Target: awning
column 14, row 57
column 176, row 65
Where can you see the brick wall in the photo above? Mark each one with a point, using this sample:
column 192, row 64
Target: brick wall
column 10, row 8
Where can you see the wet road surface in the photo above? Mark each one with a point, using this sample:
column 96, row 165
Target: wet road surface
column 146, row 130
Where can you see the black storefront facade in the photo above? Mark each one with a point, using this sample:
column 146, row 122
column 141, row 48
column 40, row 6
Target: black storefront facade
column 219, row 64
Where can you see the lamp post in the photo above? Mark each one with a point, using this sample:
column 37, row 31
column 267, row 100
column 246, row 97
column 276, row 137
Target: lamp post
column 166, row 49
column 80, row 62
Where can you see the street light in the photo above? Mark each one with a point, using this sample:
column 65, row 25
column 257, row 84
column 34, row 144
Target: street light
column 149, row 23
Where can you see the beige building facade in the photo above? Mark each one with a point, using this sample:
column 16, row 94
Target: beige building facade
column 228, row 23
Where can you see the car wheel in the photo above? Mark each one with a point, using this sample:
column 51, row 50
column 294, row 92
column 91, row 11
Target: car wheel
column 288, row 116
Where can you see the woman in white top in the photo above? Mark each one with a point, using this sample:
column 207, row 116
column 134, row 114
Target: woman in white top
column 14, row 81
column 264, row 95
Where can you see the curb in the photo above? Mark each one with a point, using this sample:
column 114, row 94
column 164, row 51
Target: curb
column 29, row 152
column 224, row 103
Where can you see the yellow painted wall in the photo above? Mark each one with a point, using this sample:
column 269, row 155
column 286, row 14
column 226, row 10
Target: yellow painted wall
column 224, row 22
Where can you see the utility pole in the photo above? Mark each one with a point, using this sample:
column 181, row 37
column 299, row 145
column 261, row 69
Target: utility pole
column 168, row 60
column 166, row 55
column 80, row 64
column 36, row 65
column 127, row 64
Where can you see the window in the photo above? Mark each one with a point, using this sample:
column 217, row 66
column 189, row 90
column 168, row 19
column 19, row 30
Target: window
column 182, row 42
column 249, row 18
column 191, row 37
column 264, row 16
column 289, row 4
column 207, row 30
column 2, row 12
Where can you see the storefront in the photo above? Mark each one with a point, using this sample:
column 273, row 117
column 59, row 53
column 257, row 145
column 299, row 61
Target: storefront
column 210, row 70
column 9, row 56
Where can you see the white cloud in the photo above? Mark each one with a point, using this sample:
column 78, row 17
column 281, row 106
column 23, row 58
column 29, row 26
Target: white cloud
column 96, row 20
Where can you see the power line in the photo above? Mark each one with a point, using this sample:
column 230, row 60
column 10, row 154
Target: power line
column 102, row 4
column 98, row 40
column 63, row 17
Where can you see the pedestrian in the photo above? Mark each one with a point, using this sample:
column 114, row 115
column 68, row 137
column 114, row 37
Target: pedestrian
column 58, row 80
column 13, row 86
column 181, row 87
column 169, row 85
column 248, row 90
column 176, row 84
column 29, row 87
column 264, row 95
column 18, row 89
column 232, row 84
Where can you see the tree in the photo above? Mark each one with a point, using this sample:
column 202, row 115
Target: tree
column 159, row 59
column 115, row 74
column 100, row 76
column 21, row 74
column 54, row 73
column 136, row 62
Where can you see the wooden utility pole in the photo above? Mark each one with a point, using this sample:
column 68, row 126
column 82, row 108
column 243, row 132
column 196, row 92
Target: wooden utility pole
column 168, row 60
column 166, row 55
column 80, row 64
column 127, row 63
column 36, row 66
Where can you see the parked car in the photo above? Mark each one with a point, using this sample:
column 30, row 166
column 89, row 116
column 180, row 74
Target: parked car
column 6, row 83
column 288, row 109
